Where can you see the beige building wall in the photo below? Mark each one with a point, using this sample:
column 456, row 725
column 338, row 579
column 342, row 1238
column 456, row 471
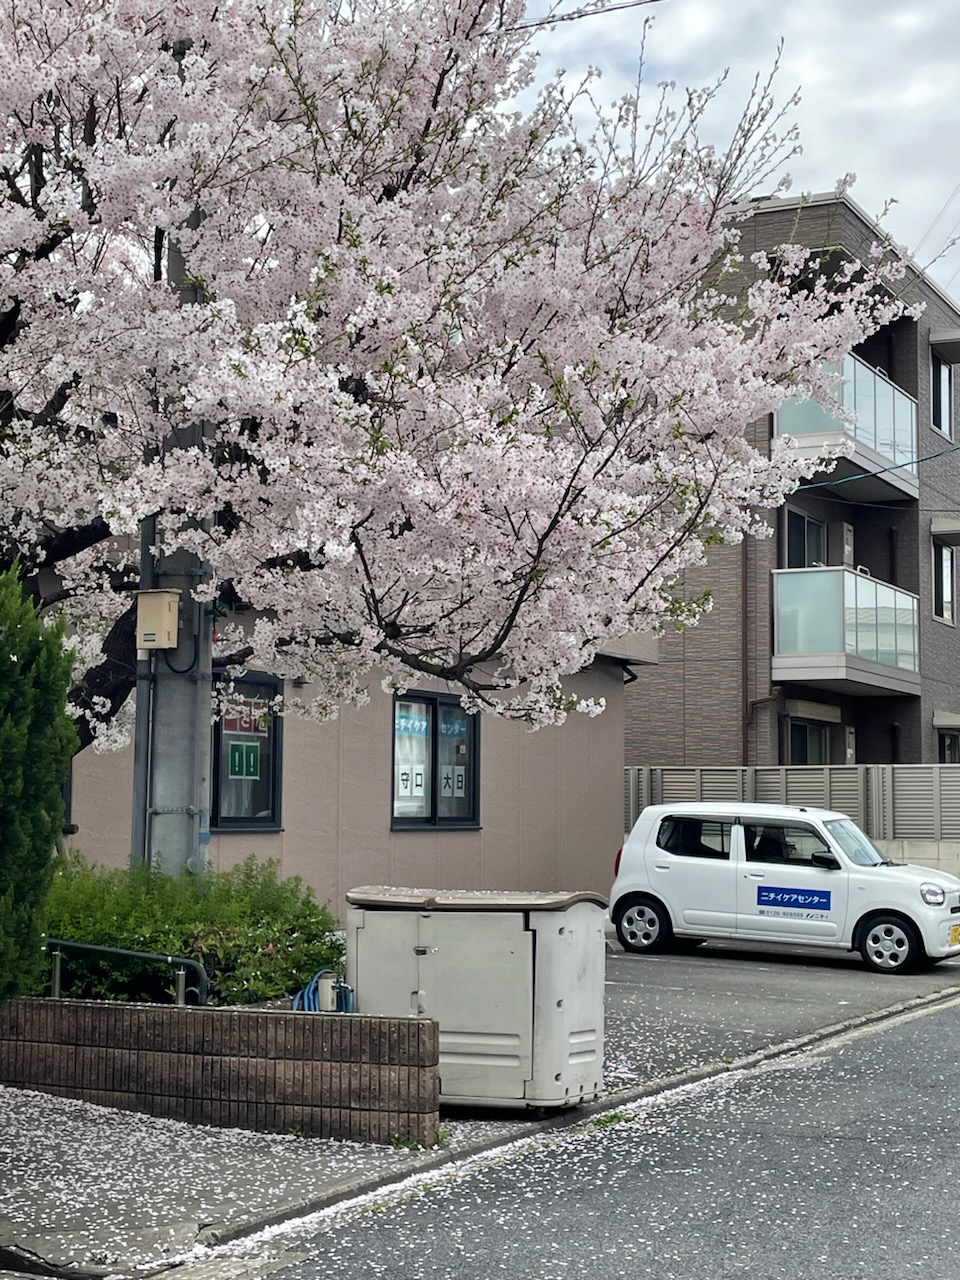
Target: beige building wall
column 551, row 805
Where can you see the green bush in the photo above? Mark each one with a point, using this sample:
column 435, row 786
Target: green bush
column 37, row 740
column 257, row 936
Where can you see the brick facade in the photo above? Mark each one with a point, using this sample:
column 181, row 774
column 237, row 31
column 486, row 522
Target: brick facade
column 321, row 1075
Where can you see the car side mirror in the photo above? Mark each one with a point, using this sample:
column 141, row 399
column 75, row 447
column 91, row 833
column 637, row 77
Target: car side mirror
column 826, row 861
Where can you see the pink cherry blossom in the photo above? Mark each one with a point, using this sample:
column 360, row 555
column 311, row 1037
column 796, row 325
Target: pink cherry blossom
column 473, row 383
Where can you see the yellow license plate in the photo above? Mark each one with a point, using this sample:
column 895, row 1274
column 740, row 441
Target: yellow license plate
column 954, row 939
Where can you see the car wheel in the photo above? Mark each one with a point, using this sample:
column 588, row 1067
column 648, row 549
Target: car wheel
column 643, row 925
column 890, row 945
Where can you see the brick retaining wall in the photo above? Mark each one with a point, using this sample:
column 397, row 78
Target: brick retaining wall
column 322, row 1075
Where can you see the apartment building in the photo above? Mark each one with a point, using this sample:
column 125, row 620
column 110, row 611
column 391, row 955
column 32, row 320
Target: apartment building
column 835, row 640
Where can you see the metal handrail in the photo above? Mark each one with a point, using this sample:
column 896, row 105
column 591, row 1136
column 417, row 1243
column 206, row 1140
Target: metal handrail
column 56, row 945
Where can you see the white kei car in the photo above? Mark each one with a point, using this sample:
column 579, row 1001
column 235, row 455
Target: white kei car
column 778, row 873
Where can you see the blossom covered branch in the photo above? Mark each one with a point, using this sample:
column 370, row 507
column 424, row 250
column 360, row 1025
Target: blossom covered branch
column 473, row 387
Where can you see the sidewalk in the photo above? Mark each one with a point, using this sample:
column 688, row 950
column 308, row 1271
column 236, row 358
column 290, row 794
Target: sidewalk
column 90, row 1191
column 94, row 1191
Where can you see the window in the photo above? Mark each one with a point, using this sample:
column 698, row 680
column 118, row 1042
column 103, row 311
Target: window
column 780, row 842
column 695, row 837
column 858, row 847
column 806, row 541
column 941, row 394
column 246, row 758
column 943, row 581
column 948, row 746
column 435, row 763
column 809, row 742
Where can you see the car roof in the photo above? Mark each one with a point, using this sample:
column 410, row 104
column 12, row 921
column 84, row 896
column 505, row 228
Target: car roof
column 739, row 809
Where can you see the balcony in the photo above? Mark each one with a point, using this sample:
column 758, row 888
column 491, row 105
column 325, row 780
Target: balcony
column 885, row 435
column 842, row 630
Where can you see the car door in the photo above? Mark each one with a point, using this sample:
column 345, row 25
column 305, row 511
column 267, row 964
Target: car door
column 782, row 895
column 691, row 870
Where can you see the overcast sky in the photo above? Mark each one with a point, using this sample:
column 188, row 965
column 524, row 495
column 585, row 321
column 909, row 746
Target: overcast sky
column 880, row 84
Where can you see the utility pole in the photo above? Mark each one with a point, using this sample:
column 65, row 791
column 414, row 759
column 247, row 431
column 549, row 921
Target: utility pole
column 177, row 827
column 172, row 740
column 142, row 735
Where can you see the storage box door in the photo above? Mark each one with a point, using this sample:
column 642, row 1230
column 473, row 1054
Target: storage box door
column 568, row 1014
column 476, row 978
column 382, row 962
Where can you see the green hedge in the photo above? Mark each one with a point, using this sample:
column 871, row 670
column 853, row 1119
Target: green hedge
column 257, row 936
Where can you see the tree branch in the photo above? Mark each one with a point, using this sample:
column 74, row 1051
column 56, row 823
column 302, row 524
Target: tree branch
column 112, row 681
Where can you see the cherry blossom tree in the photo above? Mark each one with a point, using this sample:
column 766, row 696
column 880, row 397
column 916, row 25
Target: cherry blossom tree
column 435, row 379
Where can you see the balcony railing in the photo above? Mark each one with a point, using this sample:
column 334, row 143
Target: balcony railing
column 839, row 611
column 886, row 416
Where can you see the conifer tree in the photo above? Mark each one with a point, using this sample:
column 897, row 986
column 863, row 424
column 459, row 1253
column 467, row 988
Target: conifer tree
column 37, row 739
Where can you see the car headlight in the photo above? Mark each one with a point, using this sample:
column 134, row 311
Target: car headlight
column 932, row 895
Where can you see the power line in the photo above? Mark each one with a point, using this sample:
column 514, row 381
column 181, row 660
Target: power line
column 951, row 280
column 895, row 466
column 946, row 205
column 904, row 505
column 949, row 241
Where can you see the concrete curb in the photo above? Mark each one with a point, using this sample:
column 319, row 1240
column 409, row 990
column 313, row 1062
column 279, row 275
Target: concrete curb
column 212, row 1236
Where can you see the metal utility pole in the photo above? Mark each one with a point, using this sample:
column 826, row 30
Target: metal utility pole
column 139, row 847
column 172, row 759
column 178, row 809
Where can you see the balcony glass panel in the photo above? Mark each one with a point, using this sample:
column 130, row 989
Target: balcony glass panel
column 886, row 416
column 905, row 430
column 809, row 620
column 907, row 636
column 860, row 611
column 883, row 420
column 886, row 625
column 860, row 393
column 806, row 418
column 823, row 611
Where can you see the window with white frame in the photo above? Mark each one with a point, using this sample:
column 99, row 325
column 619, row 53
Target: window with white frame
column 435, row 762
column 941, row 394
column 949, row 746
column 944, row 579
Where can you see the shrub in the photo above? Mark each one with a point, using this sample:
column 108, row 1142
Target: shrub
column 36, row 741
column 258, row 937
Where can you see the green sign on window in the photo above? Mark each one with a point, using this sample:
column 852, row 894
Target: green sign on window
column 244, row 760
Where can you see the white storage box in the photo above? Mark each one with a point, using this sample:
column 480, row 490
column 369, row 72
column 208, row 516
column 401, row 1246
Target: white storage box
column 514, row 980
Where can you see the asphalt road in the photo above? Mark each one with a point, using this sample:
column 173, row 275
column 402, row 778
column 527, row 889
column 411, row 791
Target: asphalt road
column 839, row 1163
column 719, row 1002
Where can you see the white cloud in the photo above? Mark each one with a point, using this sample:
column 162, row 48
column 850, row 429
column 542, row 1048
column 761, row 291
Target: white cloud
column 879, row 86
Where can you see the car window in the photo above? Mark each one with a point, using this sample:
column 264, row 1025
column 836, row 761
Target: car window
column 695, row 837
column 782, row 842
column 858, row 847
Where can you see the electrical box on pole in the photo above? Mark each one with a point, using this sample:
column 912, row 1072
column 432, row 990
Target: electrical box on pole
column 158, row 619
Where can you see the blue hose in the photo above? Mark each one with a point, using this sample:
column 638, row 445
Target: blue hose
column 308, row 999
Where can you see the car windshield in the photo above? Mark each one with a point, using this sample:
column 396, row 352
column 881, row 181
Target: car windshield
column 858, row 847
